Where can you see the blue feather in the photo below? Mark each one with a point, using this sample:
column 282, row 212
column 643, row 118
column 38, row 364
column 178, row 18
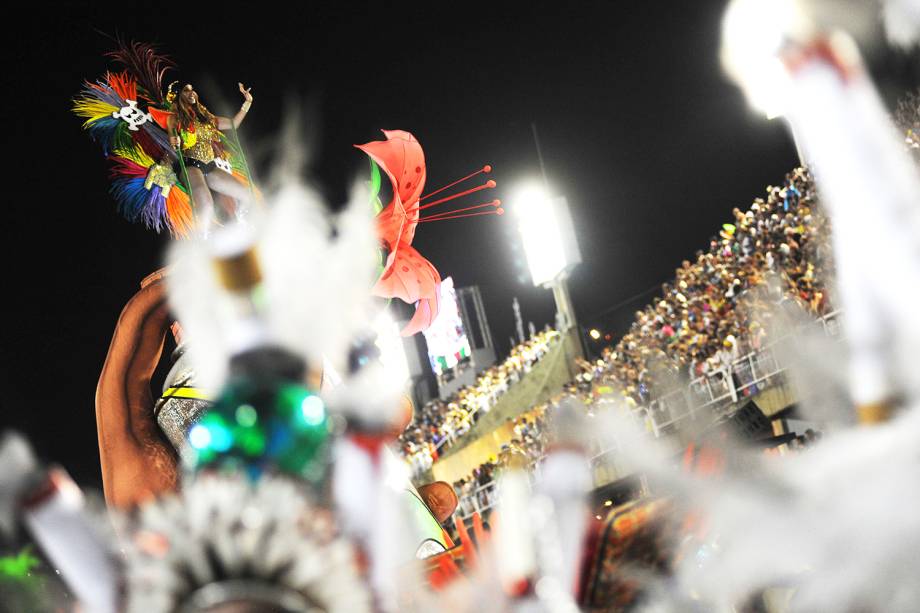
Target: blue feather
column 137, row 203
column 154, row 213
column 105, row 132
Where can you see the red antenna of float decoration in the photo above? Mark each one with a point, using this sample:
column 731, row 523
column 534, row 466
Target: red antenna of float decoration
column 458, row 213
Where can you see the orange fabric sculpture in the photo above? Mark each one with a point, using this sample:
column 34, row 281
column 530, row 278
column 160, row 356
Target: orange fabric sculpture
column 406, row 275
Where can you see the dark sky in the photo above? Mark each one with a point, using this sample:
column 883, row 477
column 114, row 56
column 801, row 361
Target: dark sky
column 640, row 130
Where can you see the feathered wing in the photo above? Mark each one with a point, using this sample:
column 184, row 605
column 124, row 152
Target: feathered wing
column 150, row 202
column 101, row 105
column 144, row 185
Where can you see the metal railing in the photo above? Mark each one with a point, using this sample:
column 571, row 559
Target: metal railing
column 479, row 500
column 714, row 392
column 711, row 395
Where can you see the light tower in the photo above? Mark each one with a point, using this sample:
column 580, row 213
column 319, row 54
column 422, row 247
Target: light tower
column 552, row 251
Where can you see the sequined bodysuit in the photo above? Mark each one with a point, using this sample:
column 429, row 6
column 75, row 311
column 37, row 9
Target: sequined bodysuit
column 200, row 151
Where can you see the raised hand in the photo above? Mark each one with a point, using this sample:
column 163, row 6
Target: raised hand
column 246, row 95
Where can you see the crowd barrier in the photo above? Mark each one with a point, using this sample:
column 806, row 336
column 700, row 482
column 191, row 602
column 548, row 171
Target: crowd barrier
column 713, row 393
column 710, row 396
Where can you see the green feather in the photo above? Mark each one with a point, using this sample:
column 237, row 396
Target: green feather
column 376, row 205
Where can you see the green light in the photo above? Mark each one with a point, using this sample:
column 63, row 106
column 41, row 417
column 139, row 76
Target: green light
column 221, row 437
column 199, row 437
column 246, row 415
column 256, row 424
column 252, row 441
column 313, row 410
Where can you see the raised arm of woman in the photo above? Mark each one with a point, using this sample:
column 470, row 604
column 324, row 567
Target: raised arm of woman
column 223, row 123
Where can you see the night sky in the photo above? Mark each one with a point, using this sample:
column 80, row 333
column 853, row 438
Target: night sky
column 640, row 130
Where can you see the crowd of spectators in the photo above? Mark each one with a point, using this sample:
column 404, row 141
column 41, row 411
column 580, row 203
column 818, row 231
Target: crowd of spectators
column 476, row 491
column 774, row 258
column 439, row 423
column 717, row 308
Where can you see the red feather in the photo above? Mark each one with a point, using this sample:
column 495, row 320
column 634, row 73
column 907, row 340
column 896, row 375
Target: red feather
column 122, row 167
column 146, row 65
column 123, row 84
column 160, row 116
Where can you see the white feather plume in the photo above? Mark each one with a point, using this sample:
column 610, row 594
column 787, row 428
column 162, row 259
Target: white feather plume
column 194, row 295
column 902, row 22
column 224, row 528
column 317, row 273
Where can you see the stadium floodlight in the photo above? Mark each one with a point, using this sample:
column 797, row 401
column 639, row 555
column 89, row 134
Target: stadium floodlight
column 546, row 232
column 753, row 32
column 550, row 245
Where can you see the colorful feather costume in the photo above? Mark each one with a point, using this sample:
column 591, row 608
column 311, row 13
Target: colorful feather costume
column 126, row 113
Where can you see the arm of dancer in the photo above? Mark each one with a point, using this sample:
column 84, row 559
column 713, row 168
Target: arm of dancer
column 224, row 123
column 137, row 462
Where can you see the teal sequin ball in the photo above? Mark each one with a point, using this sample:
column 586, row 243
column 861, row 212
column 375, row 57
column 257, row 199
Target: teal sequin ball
column 259, row 426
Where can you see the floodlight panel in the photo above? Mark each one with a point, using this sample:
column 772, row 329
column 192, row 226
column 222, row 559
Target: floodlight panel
column 541, row 238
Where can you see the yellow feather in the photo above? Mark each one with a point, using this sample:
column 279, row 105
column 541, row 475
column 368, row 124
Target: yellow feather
column 136, row 155
column 92, row 109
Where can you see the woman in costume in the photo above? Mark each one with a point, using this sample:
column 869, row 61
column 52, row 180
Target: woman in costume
column 196, row 133
column 170, row 160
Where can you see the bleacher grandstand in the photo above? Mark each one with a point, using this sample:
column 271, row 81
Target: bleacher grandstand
column 701, row 349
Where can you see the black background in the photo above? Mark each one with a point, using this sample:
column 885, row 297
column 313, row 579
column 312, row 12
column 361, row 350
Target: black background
column 640, row 130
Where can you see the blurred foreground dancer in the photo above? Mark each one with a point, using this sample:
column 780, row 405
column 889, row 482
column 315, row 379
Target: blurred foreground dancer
column 50, row 507
column 867, row 180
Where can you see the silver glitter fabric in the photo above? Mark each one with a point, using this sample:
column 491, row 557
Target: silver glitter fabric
column 175, row 412
column 176, row 416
